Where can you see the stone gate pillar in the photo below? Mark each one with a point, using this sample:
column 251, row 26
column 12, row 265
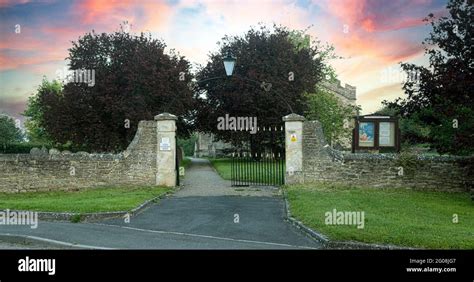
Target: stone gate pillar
column 293, row 148
column 166, row 151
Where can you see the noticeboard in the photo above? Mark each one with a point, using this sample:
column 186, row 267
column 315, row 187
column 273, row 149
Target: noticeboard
column 374, row 132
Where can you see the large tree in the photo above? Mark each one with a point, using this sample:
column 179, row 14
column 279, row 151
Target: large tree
column 263, row 55
column 413, row 130
column 34, row 112
column 442, row 94
column 9, row 133
column 134, row 80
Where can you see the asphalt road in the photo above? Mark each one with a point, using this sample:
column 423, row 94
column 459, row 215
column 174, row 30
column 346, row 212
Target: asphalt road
column 207, row 213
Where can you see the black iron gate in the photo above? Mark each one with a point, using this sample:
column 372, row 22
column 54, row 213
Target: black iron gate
column 177, row 159
column 259, row 159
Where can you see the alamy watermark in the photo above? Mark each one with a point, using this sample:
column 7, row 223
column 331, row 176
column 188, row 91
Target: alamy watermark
column 8, row 217
column 237, row 123
column 335, row 217
column 37, row 265
column 396, row 75
column 76, row 76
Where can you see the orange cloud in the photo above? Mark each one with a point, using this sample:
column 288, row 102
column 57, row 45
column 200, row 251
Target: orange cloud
column 142, row 16
column 387, row 50
column 91, row 11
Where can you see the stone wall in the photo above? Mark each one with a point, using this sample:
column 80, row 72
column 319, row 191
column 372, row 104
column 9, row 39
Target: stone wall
column 43, row 171
column 321, row 163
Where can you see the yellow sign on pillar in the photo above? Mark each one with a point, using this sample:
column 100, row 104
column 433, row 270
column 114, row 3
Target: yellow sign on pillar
column 293, row 138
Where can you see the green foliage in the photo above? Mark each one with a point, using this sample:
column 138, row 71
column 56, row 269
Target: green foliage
column 332, row 113
column 34, row 123
column 9, row 133
column 18, row 148
column 188, row 144
column 302, row 40
column 408, row 161
column 135, row 79
column 443, row 91
column 263, row 54
column 185, row 162
column 413, row 129
column 76, row 218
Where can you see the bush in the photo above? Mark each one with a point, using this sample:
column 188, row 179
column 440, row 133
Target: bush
column 21, row 148
column 188, row 145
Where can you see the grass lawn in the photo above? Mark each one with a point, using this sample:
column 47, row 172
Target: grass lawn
column 259, row 172
column 101, row 199
column 223, row 167
column 399, row 217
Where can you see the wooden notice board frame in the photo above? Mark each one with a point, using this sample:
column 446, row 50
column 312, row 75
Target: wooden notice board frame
column 376, row 119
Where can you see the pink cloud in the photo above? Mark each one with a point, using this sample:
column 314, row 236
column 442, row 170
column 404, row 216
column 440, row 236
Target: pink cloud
column 109, row 14
column 372, row 16
column 14, row 62
column 93, row 10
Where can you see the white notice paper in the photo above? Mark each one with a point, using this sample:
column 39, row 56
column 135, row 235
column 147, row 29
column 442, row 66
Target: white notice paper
column 165, row 144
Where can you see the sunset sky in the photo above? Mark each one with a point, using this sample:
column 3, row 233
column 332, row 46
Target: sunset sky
column 372, row 36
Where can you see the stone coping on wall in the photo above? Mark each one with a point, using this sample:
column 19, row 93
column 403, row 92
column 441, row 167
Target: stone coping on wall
column 54, row 154
column 62, row 156
column 392, row 156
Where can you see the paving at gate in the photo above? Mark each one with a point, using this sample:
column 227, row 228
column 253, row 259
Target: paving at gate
column 201, row 215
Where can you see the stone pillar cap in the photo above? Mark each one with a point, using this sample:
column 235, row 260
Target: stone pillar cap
column 293, row 117
column 166, row 116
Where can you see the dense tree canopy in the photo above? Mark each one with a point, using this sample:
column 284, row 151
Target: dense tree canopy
column 263, row 55
column 34, row 123
column 442, row 94
column 134, row 79
column 9, row 133
column 413, row 129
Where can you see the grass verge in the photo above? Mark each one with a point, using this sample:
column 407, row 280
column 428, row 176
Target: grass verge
column 185, row 162
column 401, row 217
column 223, row 167
column 101, row 199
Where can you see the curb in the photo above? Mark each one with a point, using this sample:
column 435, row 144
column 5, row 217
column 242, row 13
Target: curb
column 328, row 244
column 45, row 243
column 320, row 238
column 352, row 245
column 67, row 216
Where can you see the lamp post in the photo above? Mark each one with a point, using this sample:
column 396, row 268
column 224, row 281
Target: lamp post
column 229, row 63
